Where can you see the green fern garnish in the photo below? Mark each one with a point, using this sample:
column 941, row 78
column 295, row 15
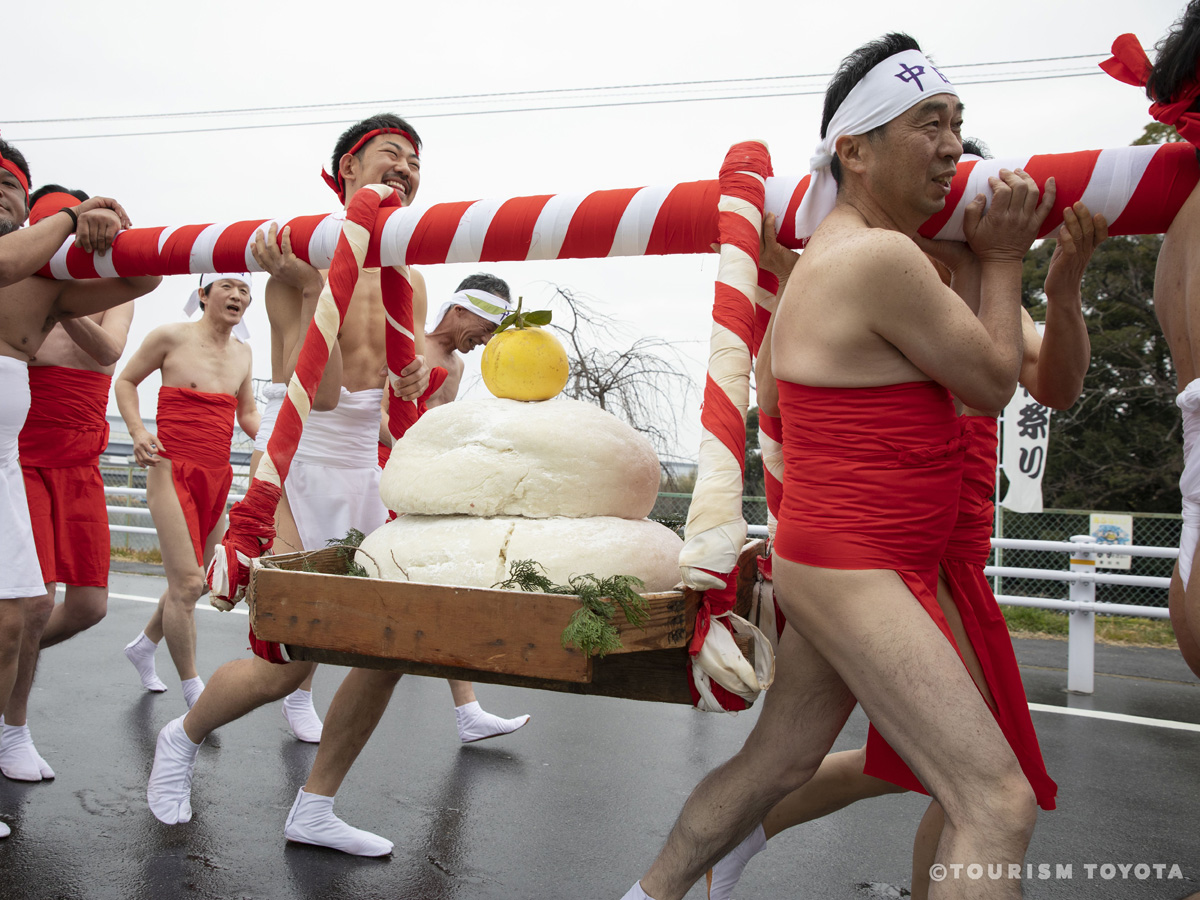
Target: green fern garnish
column 591, row 628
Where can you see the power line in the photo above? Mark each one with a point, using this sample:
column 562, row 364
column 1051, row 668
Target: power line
column 505, row 94
column 999, row 79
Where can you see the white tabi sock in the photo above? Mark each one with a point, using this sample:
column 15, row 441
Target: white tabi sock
column 19, row 759
column 476, row 725
column 302, row 716
column 169, row 791
column 191, row 690
column 5, row 831
column 725, row 874
column 311, row 821
column 140, row 652
column 636, row 893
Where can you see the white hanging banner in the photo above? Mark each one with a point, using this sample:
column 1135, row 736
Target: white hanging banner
column 1026, row 435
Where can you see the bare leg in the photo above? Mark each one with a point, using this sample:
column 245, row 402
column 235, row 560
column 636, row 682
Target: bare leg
column 1185, row 614
column 839, row 781
column 19, row 758
column 356, row 709
column 12, row 627
column 37, row 614
column 185, row 578
column 462, row 691
column 931, row 713
column 235, row 689
column 239, row 687
column 83, row 606
column 929, row 832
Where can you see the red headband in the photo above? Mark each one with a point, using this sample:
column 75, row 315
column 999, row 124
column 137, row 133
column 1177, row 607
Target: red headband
column 336, row 184
column 16, row 170
column 48, row 205
column 1130, row 64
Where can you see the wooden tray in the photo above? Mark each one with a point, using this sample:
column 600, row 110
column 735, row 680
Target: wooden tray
column 306, row 602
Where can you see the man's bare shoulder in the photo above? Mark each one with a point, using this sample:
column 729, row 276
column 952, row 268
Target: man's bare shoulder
column 172, row 334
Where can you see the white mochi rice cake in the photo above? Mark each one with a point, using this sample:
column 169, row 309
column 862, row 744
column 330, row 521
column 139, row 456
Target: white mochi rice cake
column 475, row 552
column 493, row 457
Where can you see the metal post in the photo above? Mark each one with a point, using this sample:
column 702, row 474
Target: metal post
column 1081, row 637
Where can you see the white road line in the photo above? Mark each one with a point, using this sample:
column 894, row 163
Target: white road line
column 1115, row 717
column 240, row 609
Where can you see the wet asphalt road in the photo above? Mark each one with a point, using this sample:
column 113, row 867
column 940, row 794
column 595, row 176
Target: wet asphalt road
column 574, row 805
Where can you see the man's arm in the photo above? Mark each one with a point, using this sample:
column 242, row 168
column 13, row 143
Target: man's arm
column 977, row 358
column 146, row 359
column 103, row 341
column 1057, row 361
column 25, row 251
column 414, row 378
column 92, row 295
column 292, row 278
column 248, row 415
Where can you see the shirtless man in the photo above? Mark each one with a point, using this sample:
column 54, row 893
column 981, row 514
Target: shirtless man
column 60, row 447
column 336, row 448
column 206, row 381
column 466, row 321
column 1052, row 370
column 1177, row 305
column 867, row 344
column 29, row 309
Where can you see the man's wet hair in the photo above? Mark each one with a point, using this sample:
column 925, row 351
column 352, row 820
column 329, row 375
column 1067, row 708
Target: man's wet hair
column 351, row 135
column 976, row 147
column 482, row 281
column 853, row 69
column 55, row 189
column 15, row 156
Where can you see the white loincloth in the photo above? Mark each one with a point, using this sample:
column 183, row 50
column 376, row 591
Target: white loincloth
column 333, row 484
column 1188, row 402
column 20, row 574
column 274, row 395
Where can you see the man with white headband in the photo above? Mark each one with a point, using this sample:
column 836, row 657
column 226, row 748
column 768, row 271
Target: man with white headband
column 206, row 382
column 464, row 322
column 868, row 344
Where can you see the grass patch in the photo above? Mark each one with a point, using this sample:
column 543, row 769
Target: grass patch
column 1026, row 621
column 150, row 555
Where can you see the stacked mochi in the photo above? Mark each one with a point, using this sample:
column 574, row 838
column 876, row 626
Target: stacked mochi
column 486, row 483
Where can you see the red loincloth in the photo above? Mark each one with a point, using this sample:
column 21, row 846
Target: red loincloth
column 872, row 478
column 966, row 555
column 60, row 446
column 195, row 430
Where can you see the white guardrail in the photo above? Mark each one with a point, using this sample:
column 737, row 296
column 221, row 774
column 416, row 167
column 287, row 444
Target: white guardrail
column 1081, row 578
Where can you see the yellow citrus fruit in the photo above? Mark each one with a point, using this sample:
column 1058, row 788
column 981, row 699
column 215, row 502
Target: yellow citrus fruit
column 524, row 364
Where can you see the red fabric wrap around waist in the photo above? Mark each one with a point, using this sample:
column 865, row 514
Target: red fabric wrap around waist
column 871, row 475
column 66, row 425
column 972, row 538
column 195, row 426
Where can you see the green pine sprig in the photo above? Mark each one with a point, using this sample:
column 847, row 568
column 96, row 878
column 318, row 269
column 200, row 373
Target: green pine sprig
column 591, row 628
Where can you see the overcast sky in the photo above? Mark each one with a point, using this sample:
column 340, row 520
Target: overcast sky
column 332, row 63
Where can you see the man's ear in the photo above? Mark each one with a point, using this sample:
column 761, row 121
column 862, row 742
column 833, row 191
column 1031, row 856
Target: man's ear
column 347, row 165
column 851, row 150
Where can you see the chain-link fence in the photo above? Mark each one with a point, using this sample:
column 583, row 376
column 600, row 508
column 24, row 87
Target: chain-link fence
column 1149, row 530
